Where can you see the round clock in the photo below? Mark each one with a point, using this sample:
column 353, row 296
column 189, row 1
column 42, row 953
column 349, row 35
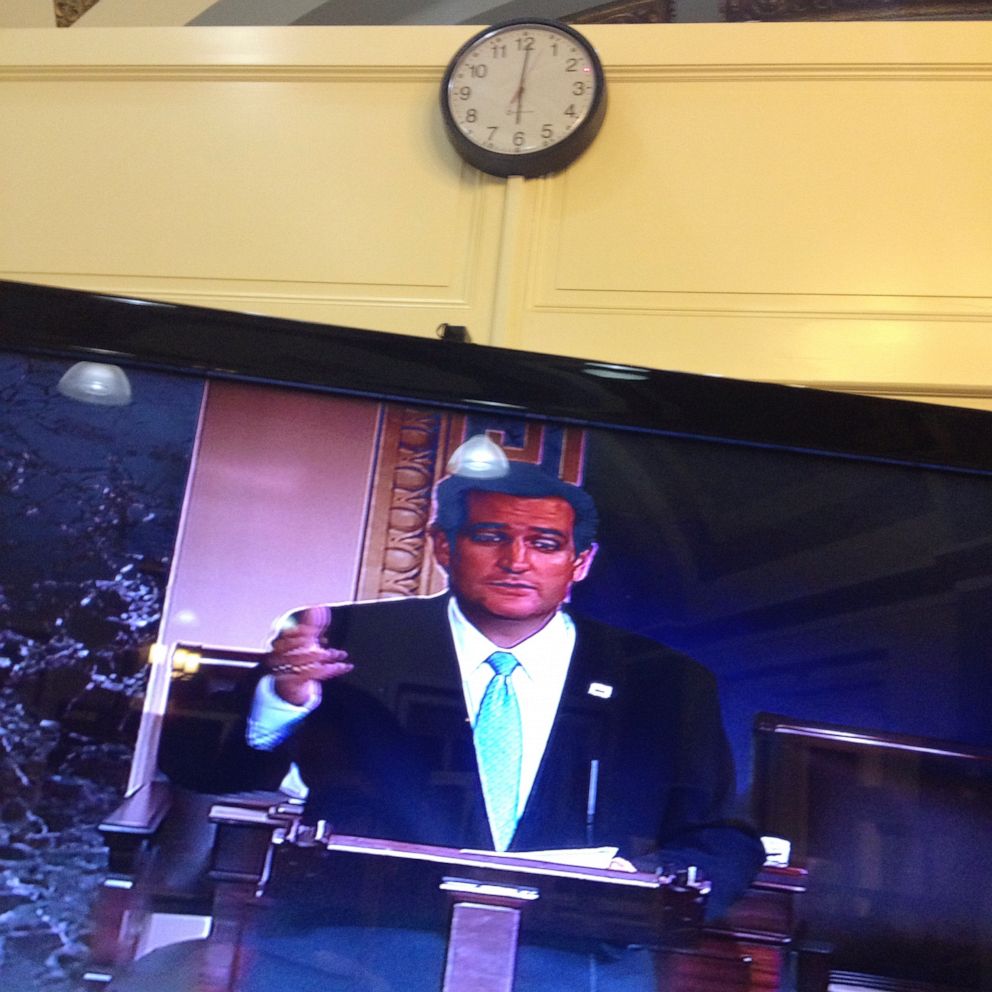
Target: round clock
column 523, row 98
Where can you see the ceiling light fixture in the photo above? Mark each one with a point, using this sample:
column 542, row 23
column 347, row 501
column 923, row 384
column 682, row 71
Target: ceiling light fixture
column 95, row 382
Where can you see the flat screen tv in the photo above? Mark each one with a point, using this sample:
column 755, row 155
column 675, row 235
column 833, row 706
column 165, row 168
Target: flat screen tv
column 827, row 556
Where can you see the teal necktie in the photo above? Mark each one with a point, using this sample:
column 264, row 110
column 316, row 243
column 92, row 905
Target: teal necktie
column 499, row 748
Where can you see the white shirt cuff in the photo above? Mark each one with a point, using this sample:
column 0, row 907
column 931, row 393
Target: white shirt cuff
column 272, row 719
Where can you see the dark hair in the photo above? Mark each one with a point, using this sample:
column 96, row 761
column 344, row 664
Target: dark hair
column 524, row 480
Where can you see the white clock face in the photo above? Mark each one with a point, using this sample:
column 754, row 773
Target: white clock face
column 522, row 88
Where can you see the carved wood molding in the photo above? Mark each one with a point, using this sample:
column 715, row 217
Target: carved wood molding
column 854, row 10
column 67, row 12
column 626, row 12
column 396, row 560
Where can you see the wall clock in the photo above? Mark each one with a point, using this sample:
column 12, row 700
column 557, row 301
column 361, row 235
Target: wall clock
column 523, row 98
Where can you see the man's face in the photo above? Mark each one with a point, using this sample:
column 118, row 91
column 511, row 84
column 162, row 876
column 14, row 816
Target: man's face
column 514, row 559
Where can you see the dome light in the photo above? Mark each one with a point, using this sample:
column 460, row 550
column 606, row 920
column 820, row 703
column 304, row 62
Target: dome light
column 95, row 382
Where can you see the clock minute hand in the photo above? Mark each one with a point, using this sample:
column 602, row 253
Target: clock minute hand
column 518, row 97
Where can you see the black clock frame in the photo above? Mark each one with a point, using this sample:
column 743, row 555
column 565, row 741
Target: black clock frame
column 542, row 161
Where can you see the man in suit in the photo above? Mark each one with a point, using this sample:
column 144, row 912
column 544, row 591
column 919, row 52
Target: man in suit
column 489, row 717
column 618, row 740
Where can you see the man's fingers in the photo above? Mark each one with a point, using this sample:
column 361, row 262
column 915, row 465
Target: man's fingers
column 297, row 654
column 304, row 658
column 331, row 670
column 319, row 663
column 294, row 640
column 308, row 651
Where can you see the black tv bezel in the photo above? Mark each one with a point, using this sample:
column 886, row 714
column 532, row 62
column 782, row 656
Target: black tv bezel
column 68, row 323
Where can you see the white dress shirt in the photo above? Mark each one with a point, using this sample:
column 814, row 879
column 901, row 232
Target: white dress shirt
column 537, row 681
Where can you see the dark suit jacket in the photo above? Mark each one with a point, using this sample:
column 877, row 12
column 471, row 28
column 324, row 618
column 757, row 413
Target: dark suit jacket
column 389, row 750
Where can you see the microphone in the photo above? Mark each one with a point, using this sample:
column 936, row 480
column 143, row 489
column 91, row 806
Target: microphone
column 591, row 801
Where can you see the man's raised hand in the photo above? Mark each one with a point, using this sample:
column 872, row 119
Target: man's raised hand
column 298, row 660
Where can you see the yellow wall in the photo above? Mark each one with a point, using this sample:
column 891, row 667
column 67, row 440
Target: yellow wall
column 27, row 14
column 800, row 203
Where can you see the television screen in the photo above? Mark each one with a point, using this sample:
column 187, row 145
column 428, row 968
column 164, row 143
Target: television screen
column 826, row 557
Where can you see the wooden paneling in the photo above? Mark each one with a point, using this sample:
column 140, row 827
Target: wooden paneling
column 792, row 202
column 794, row 210
column 240, row 169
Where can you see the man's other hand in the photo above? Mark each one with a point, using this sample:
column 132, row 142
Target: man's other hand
column 621, row 864
column 298, row 661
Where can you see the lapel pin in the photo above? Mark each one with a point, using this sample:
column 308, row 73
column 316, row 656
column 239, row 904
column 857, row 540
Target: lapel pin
column 600, row 690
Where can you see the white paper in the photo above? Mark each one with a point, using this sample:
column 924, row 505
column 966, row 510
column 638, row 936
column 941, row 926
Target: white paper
column 575, row 857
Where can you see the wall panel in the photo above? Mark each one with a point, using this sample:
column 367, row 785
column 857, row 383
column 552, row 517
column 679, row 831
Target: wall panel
column 249, row 172
column 812, row 206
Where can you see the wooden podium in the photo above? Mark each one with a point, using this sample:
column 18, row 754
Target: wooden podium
column 485, row 900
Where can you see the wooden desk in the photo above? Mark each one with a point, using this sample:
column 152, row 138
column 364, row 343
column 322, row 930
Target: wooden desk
column 756, row 948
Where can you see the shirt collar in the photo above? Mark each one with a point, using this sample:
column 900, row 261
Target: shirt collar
column 542, row 656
